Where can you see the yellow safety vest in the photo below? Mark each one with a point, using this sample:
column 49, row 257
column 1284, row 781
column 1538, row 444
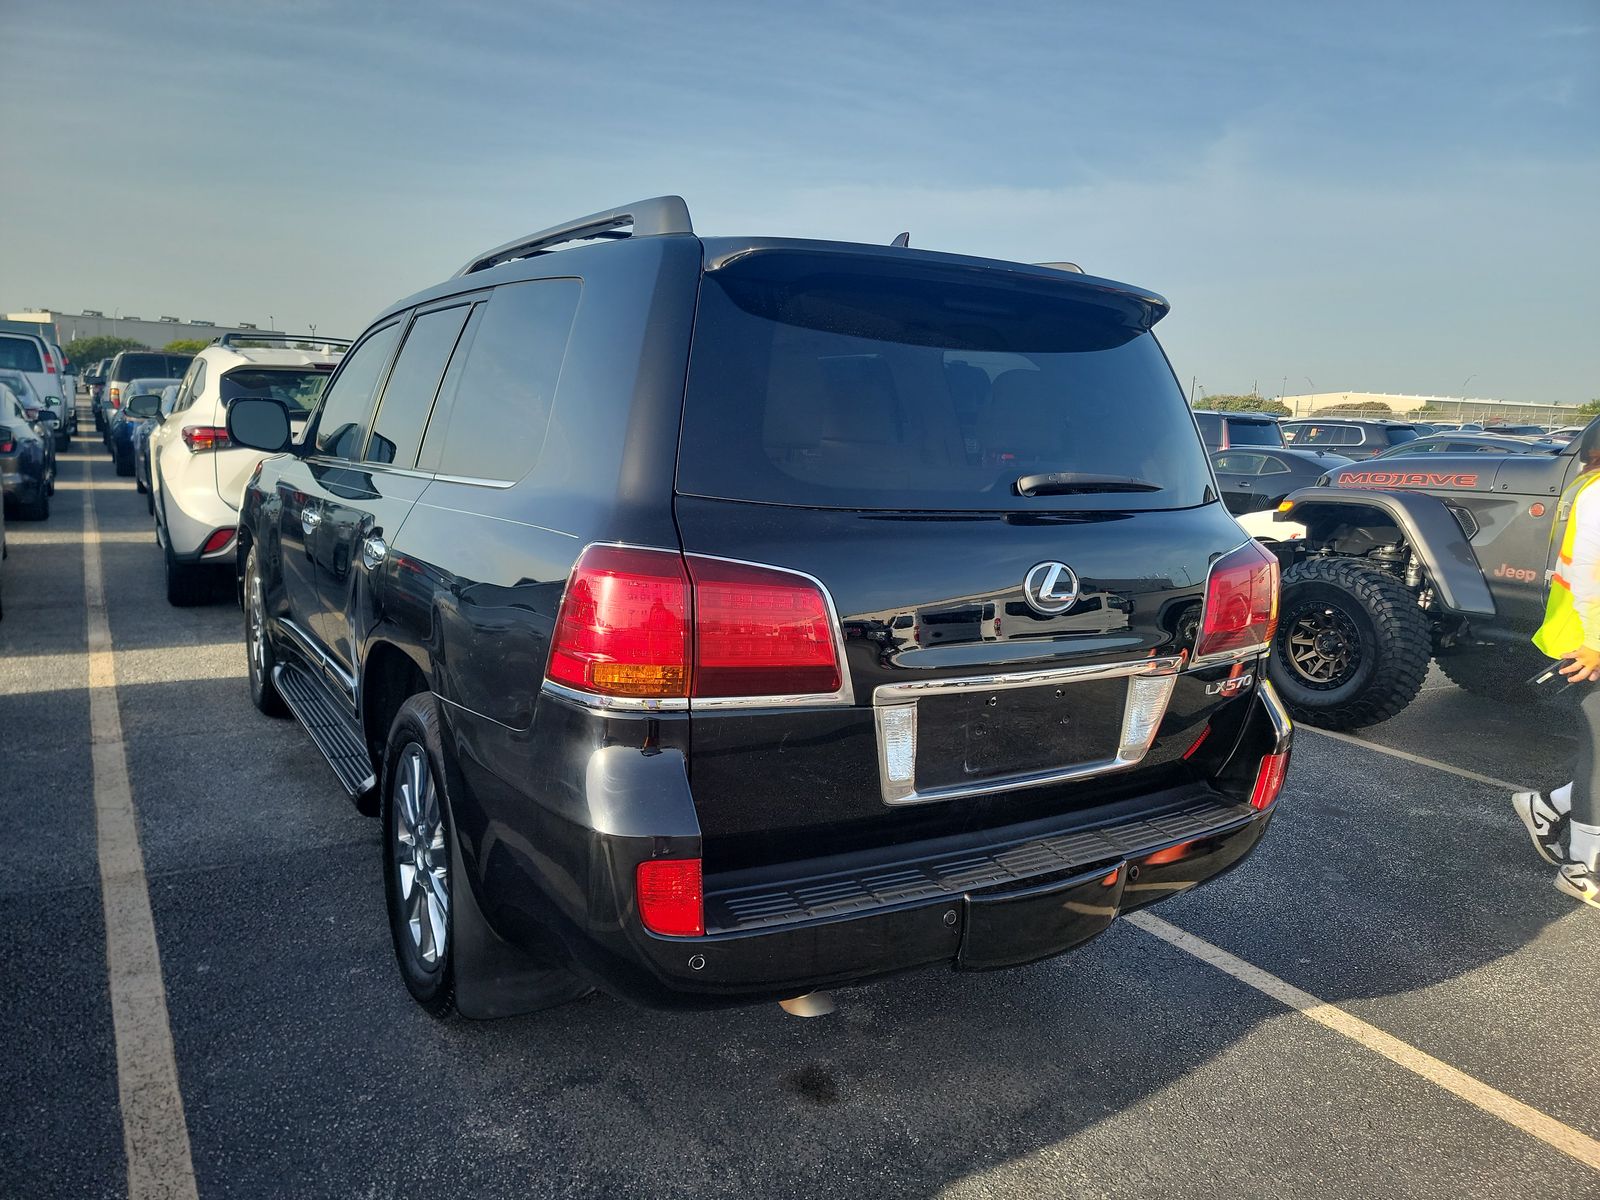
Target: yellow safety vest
column 1562, row 631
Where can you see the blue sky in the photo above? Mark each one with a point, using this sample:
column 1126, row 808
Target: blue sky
column 1391, row 197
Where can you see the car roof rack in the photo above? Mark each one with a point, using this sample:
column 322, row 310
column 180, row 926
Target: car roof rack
column 254, row 335
column 648, row 218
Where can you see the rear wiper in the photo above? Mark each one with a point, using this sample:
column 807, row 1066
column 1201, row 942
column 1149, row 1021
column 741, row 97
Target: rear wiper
column 1062, row 483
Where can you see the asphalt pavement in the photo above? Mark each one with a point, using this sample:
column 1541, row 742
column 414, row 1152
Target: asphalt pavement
column 1402, row 895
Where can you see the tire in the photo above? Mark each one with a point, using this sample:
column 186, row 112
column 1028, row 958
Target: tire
column 188, row 584
column 37, row 509
column 1359, row 625
column 149, row 500
column 63, row 439
column 258, row 646
column 124, row 462
column 1499, row 672
column 418, row 924
column 138, row 486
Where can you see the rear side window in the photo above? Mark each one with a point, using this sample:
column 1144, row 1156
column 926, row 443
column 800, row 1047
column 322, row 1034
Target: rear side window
column 833, row 381
column 1210, row 429
column 343, row 416
column 408, row 396
column 20, row 354
column 499, row 401
column 1399, row 435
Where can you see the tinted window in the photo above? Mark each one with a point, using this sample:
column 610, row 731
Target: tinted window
column 1273, row 466
column 344, row 409
column 1401, row 434
column 1210, row 429
column 1254, row 433
column 134, row 366
column 499, row 402
column 298, row 387
column 845, row 383
column 1231, row 463
column 20, row 354
column 408, row 396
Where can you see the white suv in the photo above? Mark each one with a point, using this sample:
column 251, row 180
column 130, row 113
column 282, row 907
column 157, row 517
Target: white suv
column 196, row 474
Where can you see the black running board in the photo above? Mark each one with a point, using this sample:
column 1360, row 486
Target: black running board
column 335, row 734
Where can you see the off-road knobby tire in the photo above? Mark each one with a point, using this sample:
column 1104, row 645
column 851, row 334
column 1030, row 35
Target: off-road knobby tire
column 1499, row 672
column 1396, row 643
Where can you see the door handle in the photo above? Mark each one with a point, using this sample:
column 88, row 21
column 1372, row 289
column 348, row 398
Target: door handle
column 373, row 551
column 1244, row 483
column 310, row 519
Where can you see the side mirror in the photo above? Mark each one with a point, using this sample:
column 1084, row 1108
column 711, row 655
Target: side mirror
column 144, row 406
column 259, row 423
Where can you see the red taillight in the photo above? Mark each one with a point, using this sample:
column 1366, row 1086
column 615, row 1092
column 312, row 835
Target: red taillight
column 49, row 364
column 636, row 623
column 205, row 437
column 1269, row 779
column 1241, row 609
column 217, row 541
column 670, row 896
column 759, row 632
column 623, row 629
column 114, row 393
column 8, row 443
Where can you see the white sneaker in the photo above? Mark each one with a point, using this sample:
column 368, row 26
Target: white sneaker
column 1546, row 827
column 1580, row 882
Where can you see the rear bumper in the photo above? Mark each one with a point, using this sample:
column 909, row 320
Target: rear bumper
column 993, row 899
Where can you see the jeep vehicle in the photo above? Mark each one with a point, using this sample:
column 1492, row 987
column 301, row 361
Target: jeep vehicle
column 1443, row 556
column 727, row 619
column 1353, row 437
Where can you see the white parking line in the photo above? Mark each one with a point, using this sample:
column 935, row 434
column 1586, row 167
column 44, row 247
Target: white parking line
column 155, row 1136
column 1458, row 1083
column 1416, row 758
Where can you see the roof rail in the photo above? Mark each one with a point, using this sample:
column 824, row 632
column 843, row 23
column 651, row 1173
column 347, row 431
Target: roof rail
column 649, row 218
column 257, row 335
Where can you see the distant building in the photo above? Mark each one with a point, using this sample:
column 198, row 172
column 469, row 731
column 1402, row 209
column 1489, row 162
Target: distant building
column 1444, row 408
column 155, row 334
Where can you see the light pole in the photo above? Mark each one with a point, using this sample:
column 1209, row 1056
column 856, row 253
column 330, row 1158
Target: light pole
column 1461, row 402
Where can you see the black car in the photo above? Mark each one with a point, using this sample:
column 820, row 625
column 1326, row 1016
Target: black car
column 1354, row 437
column 1256, row 480
column 716, row 620
column 1224, row 430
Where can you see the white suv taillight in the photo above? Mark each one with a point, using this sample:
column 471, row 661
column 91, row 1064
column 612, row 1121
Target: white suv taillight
column 640, row 623
column 1241, row 606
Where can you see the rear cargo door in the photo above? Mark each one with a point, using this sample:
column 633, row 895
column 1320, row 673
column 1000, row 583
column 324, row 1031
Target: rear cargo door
column 997, row 484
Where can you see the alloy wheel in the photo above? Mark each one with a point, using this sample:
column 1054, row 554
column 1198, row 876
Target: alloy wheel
column 1323, row 646
column 421, row 860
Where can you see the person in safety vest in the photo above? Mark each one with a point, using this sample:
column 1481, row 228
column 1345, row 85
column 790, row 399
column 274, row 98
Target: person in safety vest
column 1565, row 828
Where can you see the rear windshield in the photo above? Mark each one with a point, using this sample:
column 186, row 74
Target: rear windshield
column 139, row 366
column 1254, row 433
column 825, row 381
column 20, row 354
column 297, row 387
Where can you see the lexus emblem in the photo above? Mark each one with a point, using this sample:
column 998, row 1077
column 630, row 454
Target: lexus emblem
column 1050, row 588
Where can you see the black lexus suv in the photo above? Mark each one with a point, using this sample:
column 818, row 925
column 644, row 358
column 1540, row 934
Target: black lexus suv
column 718, row 620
